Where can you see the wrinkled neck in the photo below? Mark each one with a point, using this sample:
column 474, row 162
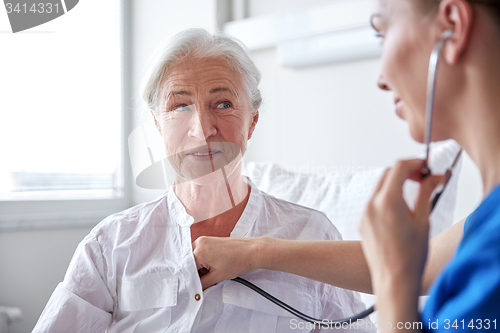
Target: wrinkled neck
column 204, row 199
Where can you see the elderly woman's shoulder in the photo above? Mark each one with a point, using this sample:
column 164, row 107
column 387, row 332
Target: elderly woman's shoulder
column 306, row 222
column 281, row 206
column 134, row 218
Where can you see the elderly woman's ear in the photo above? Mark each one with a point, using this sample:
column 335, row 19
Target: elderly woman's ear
column 255, row 119
column 156, row 121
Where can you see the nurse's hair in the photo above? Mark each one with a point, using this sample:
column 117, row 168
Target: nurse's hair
column 200, row 43
column 431, row 6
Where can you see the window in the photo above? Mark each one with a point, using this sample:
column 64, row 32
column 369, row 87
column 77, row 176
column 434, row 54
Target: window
column 61, row 117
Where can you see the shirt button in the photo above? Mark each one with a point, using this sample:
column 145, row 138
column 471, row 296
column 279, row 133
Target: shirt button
column 197, row 297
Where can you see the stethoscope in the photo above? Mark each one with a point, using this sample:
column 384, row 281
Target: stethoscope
column 431, row 88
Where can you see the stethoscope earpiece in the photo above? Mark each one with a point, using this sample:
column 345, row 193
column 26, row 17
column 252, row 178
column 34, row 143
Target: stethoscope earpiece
column 446, row 34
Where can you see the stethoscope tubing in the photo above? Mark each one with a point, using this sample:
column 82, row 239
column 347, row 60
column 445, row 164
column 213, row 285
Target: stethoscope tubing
column 431, row 91
column 301, row 315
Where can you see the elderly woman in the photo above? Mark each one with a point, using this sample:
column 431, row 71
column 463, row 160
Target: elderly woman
column 135, row 271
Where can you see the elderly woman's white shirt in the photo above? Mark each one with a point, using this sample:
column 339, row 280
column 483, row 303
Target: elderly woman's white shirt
column 135, row 272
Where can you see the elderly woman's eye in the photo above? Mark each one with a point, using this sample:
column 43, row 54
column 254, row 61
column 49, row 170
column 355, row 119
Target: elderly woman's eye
column 182, row 107
column 224, row 105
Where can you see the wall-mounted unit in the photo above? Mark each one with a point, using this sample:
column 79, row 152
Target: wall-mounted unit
column 321, row 34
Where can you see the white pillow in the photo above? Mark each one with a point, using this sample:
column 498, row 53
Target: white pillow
column 343, row 197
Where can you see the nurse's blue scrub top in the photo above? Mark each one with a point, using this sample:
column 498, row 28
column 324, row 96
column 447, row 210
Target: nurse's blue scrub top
column 466, row 297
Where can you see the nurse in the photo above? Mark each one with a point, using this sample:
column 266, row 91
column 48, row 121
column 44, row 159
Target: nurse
column 395, row 261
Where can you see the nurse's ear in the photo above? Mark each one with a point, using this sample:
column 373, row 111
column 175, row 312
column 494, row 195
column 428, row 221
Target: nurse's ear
column 456, row 15
column 156, row 121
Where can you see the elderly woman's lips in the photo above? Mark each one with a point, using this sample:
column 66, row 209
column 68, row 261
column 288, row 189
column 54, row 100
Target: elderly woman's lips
column 203, row 156
column 202, row 152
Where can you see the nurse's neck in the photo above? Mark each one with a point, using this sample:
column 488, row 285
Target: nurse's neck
column 475, row 104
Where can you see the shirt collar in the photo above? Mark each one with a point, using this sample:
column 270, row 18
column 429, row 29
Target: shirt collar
column 251, row 212
column 247, row 219
column 177, row 211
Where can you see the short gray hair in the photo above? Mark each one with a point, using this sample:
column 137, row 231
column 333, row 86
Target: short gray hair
column 202, row 44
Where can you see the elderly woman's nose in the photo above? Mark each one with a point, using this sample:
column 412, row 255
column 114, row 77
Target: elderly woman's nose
column 202, row 126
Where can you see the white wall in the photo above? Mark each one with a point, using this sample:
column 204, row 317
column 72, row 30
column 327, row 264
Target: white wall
column 32, row 263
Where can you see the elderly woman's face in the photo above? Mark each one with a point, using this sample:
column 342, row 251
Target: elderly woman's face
column 204, row 117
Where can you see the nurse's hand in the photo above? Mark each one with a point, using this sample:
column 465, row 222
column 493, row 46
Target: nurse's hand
column 224, row 258
column 395, row 238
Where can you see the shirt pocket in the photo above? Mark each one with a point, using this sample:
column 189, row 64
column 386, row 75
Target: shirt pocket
column 148, row 293
column 265, row 316
column 144, row 304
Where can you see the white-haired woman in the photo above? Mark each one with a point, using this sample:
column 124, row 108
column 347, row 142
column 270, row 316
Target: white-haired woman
column 135, row 271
